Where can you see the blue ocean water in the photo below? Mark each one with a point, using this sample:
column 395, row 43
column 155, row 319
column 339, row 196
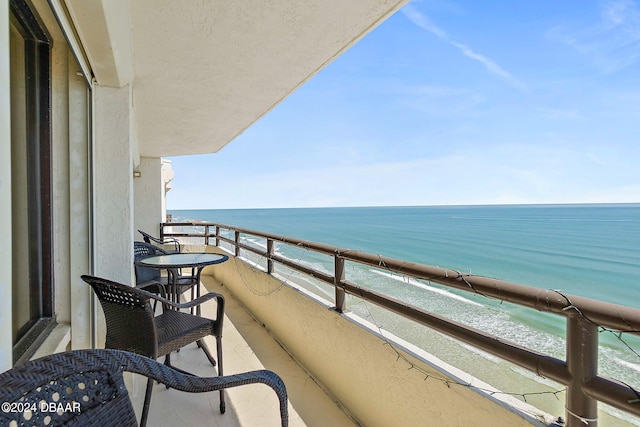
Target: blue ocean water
column 587, row 250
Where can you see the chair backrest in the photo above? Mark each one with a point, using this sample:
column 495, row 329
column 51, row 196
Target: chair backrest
column 73, row 389
column 128, row 315
column 143, row 250
column 148, row 238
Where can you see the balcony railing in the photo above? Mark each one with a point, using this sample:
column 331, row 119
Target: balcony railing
column 584, row 317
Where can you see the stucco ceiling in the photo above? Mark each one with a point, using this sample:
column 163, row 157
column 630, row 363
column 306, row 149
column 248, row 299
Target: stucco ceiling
column 204, row 71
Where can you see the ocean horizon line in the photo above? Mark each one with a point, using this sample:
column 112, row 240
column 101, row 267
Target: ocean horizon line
column 496, row 205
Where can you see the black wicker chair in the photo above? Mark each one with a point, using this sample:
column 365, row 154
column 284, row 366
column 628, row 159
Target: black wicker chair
column 167, row 241
column 133, row 326
column 88, row 388
column 143, row 274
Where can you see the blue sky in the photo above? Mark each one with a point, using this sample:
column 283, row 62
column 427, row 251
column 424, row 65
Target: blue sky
column 449, row 103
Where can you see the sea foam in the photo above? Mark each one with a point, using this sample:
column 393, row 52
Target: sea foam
column 418, row 284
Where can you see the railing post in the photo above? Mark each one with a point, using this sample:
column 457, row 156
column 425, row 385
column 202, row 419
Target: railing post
column 218, row 235
column 269, row 254
column 237, row 240
column 206, row 234
column 582, row 363
column 338, row 277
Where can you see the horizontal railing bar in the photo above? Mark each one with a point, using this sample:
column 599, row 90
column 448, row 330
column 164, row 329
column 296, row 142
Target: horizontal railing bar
column 614, row 393
column 601, row 313
column 185, row 224
column 262, row 253
column 327, row 278
column 184, row 235
column 227, row 240
column 305, row 244
column 291, row 264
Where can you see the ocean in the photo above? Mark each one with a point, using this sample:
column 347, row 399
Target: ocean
column 587, row 250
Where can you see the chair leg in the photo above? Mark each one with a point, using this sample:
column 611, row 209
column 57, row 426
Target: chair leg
column 167, row 361
column 193, row 293
column 206, row 352
column 219, row 351
column 147, row 402
column 213, row 362
column 197, row 276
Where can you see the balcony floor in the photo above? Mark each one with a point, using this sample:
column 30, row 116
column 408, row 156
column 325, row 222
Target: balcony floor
column 246, row 346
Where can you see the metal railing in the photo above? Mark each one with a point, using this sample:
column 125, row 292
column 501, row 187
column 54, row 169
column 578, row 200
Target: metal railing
column 584, row 317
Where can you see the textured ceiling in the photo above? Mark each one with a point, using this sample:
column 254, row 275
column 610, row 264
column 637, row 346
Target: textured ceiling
column 204, row 71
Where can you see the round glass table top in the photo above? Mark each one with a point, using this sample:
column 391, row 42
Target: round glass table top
column 182, row 260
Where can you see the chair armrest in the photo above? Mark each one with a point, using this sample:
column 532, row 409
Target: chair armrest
column 167, row 241
column 174, row 241
column 155, row 287
column 179, row 380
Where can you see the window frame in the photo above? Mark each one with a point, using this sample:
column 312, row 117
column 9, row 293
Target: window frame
column 38, row 44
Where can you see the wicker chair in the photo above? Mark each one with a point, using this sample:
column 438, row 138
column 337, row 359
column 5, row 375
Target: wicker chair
column 144, row 274
column 133, row 326
column 88, row 388
column 148, row 238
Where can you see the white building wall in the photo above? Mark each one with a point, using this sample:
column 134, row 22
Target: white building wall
column 6, row 342
column 113, row 184
column 148, row 196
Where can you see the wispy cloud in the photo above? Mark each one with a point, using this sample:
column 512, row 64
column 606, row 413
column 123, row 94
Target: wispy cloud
column 613, row 42
column 422, row 21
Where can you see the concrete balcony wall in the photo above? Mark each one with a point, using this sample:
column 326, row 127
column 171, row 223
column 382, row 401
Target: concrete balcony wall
column 355, row 364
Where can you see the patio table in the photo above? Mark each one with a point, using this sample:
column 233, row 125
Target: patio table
column 176, row 261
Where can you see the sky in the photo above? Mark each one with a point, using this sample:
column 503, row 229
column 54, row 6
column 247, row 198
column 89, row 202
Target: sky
column 448, row 102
